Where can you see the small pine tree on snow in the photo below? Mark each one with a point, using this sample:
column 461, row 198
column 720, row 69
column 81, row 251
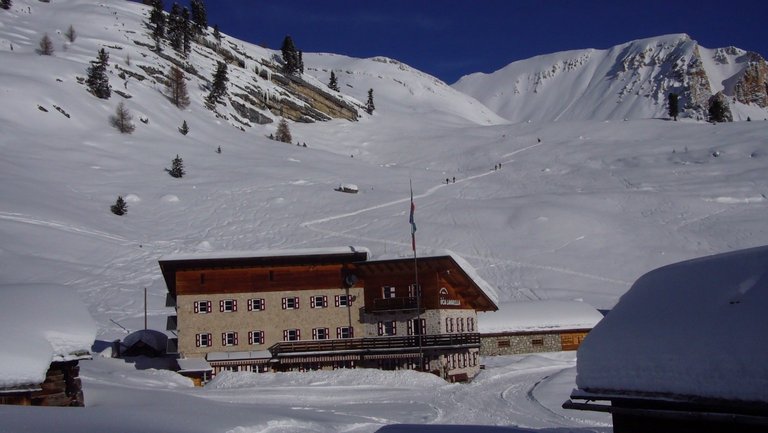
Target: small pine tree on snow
column 187, row 32
column 5, row 4
column 123, row 120
column 283, row 133
column 216, row 33
column 176, row 86
column 70, row 34
column 333, row 84
column 46, row 46
column 97, row 80
column 184, row 128
column 120, row 207
column 175, row 30
column 369, row 106
column 199, row 16
column 177, row 168
column 218, row 149
column 219, row 85
column 674, row 108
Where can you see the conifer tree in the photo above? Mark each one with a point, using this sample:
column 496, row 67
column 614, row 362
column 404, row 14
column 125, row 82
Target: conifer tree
column 5, row 4
column 123, row 120
column 283, row 132
column 176, row 86
column 716, row 111
column 216, row 33
column 70, row 34
column 219, row 85
column 97, row 80
column 177, row 168
column 674, row 108
column 157, row 22
column 333, row 84
column 175, row 31
column 46, row 46
column 369, row 106
column 187, row 32
column 120, row 207
column 199, row 16
column 291, row 59
column 184, row 129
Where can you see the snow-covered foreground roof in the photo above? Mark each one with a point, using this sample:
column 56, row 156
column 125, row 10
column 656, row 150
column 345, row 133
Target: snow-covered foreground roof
column 42, row 323
column 695, row 328
column 539, row 316
column 265, row 253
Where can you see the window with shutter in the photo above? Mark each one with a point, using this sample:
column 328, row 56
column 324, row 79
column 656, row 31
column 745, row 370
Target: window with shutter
column 197, row 340
column 221, row 306
column 381, row 328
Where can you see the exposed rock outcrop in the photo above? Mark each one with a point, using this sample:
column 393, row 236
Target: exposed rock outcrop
column 752, row 87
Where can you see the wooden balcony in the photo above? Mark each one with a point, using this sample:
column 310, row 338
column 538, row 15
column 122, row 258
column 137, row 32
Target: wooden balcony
column 377, row 344
column 394, row 304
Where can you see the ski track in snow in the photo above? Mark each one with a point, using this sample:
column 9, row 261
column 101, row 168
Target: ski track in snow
column 312, row 223
column 21, row 218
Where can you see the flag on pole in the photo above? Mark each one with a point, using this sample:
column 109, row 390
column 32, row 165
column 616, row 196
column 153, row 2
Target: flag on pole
column 413, row 223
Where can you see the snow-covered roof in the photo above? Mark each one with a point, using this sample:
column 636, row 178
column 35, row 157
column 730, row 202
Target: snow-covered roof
column 539, row 316
column 193, row 365
column 693, row 329
column 152, row 338
column 41, row 324
column 202, row 255
column 468, row 269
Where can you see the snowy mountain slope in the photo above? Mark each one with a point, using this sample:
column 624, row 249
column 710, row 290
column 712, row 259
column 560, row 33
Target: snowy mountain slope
column 628, row 81
column 578, row 214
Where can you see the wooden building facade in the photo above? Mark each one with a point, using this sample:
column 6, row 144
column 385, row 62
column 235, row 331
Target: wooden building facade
column 61, row 387
column 324, row 309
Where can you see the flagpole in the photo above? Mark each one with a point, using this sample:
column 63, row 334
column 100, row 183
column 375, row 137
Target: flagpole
column 417, row 287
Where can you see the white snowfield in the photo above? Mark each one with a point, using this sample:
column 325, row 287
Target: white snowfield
column 41, row 324
column 691, row 329
column 573, row 210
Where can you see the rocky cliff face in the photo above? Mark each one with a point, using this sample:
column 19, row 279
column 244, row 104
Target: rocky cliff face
column 632, row 80
column 752, row 87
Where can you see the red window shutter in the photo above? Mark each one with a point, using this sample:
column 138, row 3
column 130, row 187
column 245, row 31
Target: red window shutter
column 325, row 301
column 197, row 307
column 312, row 301
column 235, row 338
column 298, row 333
column 381, row 328
column 221, row 306
column 261, row 337
column 314, row 333
column 285, row 303
column 234, row 305
column 223, row 338
column 394, row 328
column 285, row 335
column 210, row 339
column 263, row 304
column 250, row 337
column 338, row 332
column 410, row 327
column 336, row 300
column 208, row 308
column 296, row 302
column 250, row 305
column 423, row 326
column 197, row 340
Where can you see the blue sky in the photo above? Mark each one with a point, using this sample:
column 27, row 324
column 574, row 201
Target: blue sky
column 452, row 38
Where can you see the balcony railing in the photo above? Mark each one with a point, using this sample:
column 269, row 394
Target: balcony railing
column 394, row 304
column 377, row 344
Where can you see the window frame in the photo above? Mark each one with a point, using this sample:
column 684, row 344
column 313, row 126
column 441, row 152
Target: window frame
column 343, row 301
column 203, row 336
column 341, row 330
column 388, row 292
column 317, row 332
column 318, row 301
column 384, row 325
column 255, row 338
column 229, row 338
column 294, row 300
column 252, row 304
column 202, row 307
column 287, row 334
column 228, row 305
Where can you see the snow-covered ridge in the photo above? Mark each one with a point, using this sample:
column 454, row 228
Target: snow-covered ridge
column 628, row 81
